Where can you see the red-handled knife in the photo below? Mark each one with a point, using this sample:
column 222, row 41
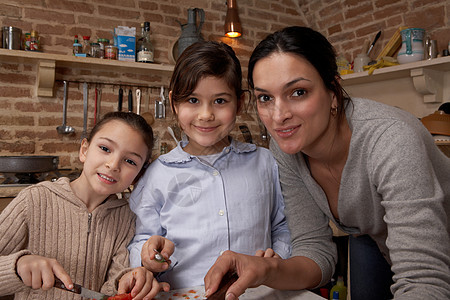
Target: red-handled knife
column 78, row 289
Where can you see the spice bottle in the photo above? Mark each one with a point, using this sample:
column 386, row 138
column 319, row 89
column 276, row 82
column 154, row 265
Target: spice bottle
column 86, row 45
column 34, row 41
column 77, row 47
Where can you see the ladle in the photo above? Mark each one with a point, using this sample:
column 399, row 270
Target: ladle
column 65, row 129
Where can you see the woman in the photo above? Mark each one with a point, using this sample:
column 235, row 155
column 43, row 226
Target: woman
column 372, row 169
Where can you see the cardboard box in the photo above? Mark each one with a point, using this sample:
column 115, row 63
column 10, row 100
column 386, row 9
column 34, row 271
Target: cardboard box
column 126, row 42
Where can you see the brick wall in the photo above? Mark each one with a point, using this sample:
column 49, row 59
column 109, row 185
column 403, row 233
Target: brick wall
column 28, row 122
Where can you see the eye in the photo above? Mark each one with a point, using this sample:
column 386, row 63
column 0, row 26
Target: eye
column 103, row 148
column 263, row 98
column 220, row 101
column 298, row 93
column 131, row 162
column 192, row 100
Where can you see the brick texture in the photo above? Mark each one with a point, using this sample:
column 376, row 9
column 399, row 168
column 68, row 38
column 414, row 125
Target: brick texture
column 28, row 122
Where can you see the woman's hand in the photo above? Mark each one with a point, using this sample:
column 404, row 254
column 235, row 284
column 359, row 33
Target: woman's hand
column 141, row 283
column 164, row 246
column 39, row 272
column 252, row 271
column 268, row 253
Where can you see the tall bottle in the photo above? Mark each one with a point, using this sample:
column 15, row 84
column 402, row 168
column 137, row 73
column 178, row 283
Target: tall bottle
column 144, row 47
column 77, row 47
column 339, row 287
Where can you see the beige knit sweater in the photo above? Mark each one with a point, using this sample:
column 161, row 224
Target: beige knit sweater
column 47, row 219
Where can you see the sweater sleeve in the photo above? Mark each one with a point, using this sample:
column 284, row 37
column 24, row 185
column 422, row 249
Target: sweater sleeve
column 120, row 263
column 311, row 235
column 13, row 241
column 413, row 199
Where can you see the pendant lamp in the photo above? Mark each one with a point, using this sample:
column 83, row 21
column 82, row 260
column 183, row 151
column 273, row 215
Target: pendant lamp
column 232, row 26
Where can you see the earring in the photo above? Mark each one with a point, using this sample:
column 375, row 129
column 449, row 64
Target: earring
column 334, row 111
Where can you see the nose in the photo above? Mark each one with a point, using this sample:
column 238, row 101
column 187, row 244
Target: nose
column 206, row 113
column 281, row 111
column 113, row 163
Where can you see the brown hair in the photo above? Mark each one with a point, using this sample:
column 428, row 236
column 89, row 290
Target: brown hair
column 201, row 59
column 133, row 120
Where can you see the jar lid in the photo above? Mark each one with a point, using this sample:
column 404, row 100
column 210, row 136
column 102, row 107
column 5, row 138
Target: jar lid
column 95, row 44
column 103, row 41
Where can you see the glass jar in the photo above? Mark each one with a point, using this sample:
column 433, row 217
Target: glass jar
column 95, row 50
column 111, row 52
column 103, row 43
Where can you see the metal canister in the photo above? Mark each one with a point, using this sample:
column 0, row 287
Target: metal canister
column 12, row 37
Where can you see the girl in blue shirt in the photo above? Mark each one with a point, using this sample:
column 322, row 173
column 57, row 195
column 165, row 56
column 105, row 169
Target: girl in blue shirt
column 211, row 193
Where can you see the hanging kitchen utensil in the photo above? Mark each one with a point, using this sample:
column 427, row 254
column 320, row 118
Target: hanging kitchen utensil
column 130, row 100
column 65, row 129
column 95, row 106
column 246, row 133
column 172, row 134
column 160, row 108
column 98, row 104
column 147, row 115
column 120, row 99
column 138, row 101
column 85, row 108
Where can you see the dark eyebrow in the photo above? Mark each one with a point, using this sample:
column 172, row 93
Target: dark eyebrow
column 215, row 95
column 114, row 143
column 286, row 85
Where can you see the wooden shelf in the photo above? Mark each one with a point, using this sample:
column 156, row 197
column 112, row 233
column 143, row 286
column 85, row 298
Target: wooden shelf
column 427, row 76
column 47, row 63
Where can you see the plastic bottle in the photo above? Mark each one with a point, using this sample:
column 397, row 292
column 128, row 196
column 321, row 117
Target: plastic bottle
column 77, row 47
column 339, row 287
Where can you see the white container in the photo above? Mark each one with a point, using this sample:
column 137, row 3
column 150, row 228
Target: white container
column 360, row 61
column 412, row 45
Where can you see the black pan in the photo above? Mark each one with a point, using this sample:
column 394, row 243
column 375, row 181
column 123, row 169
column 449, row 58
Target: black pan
column 28, row 164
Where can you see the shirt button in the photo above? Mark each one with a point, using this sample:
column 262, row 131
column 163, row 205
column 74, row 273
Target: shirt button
column 215, row 173
column 221, row 212
column 228, row 150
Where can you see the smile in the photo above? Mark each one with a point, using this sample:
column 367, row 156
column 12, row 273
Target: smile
column 286, row 132
column 205, row 129
column 106, row 178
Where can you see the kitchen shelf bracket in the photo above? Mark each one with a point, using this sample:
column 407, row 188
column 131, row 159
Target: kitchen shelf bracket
column 429, row 83
column 46, row 78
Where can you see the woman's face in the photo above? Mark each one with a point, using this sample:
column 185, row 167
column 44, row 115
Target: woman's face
column 293, row 102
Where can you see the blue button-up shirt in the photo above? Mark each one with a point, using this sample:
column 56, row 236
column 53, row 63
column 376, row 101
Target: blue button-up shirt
column 234, row 204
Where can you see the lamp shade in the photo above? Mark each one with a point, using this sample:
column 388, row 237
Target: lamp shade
column 232, row 26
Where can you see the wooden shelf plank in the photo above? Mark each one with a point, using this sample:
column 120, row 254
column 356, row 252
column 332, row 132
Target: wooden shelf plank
column 48, row 62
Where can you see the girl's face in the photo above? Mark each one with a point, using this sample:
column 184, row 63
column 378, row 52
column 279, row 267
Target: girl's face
column 293, row 102
column 208, row 116
column 112, row 159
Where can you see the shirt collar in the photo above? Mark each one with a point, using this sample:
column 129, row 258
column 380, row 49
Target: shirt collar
column 178, row 155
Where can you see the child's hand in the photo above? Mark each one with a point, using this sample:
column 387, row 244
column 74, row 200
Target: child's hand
column 39, row 272
column 141, row 284
column 166, row 248
column 268, row 253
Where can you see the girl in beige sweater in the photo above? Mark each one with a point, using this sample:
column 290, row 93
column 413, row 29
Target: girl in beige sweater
column 79, row 231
